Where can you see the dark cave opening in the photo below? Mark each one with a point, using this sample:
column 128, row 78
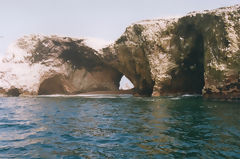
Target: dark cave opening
column 53, row 85
column 190, row 76
column 14, row 92
column 146, row 88
column 194, row 66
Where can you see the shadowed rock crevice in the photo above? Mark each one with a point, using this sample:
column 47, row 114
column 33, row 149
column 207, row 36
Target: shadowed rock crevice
column 81, row 56
column 188, row 76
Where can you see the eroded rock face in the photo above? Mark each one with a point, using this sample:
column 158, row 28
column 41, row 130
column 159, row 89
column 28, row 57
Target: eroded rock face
column 197, row 53
column 55, row 65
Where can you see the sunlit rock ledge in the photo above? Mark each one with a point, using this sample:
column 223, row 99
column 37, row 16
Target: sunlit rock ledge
column 197, row 53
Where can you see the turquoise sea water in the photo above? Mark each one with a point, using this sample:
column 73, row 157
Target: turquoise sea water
column 113, row 126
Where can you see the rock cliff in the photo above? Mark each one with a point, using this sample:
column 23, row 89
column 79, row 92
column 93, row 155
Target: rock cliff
column 197, row 53
column 38, row 64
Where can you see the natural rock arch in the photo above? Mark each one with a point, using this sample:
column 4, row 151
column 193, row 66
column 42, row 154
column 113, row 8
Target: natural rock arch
column 197, row 53
column 55, row 65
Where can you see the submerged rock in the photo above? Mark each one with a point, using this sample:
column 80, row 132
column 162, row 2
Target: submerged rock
column 197, row 53
column 54, row 65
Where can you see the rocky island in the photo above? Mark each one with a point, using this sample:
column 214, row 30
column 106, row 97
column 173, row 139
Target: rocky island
column 197, row 53
column 42, row 65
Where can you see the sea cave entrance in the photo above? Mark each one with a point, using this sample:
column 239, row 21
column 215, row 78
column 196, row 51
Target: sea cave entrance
column 53, row 85
column 125, row 84
column 189, row 78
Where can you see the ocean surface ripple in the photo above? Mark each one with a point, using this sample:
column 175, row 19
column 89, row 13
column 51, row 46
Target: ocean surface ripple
column 118, row 126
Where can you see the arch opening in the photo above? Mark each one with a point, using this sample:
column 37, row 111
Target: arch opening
column 53, row 85
column 125, row 84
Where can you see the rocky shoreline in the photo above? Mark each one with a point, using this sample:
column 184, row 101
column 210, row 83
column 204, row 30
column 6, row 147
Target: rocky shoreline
column 197, row 53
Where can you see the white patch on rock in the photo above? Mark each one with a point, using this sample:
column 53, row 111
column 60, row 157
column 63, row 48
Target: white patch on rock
column 14, row 53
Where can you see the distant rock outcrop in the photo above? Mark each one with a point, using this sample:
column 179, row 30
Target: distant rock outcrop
column 54, row 65
column 197, row 53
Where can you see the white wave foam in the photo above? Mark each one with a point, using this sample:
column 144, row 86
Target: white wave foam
column 191, row 95
column 87, row 96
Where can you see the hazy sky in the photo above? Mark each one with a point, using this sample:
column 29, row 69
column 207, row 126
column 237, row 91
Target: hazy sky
column 106, row 19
